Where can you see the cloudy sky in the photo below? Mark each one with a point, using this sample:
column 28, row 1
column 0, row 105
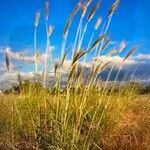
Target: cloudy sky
column 131, row 23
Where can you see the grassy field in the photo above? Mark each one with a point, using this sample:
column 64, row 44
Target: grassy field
column 52, row 119
column 84, row 115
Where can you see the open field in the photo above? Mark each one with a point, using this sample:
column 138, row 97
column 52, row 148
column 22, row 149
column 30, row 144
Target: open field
column 61, row 120
column 88, row 113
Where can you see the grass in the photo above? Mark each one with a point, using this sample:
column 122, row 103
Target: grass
column 83, row 115
column 119, row 120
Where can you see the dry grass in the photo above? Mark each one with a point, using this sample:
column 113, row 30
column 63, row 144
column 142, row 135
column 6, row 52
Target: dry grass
column 80, row 124
column 85, row 114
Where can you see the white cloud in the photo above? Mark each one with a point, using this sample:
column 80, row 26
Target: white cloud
column 8, row 79
column 143, row 56
column 21, row 56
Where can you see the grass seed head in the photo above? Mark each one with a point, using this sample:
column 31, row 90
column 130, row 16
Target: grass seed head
column 50, row 30
column 107, row 42
column 121, row 46
column 7, row 61
column 98, row 23
column 93, row 11
column 99, row 39
column 78, row 55
column 113, row 8
column 84, row 9
column 46, row 10
column 131, row 52
column 88, row 2
column 37, row 18
column 69, row 21
column 111, row 52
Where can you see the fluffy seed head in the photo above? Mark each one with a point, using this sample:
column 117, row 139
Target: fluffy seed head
column 50, row 30
column 37, row 18
column 122, row 46
column 98, row 23
column 46, row 9
column 111, row 52
column 84, row 8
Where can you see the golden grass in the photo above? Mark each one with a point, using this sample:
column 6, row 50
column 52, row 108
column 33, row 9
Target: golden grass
column 85, row 114
column 80, row 121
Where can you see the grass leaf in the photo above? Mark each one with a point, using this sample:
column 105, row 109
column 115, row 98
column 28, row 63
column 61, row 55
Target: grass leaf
column 7, row 62
column 99, row 39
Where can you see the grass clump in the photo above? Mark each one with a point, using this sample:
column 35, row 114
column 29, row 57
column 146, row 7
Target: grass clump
column 85, row 114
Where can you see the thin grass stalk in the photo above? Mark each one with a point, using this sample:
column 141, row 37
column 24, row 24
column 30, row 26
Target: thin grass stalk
column 32, row 119
column 35, row 53
column 67, row 26
column 82, row 37
column 106, row 105
column 12, row 124
column 48, row 48
column 93, row 117
column 105, row 65
column 80, row 33
column 91, row 15
column 37, row 18
column 105, row 32
column 109, row 97
column 19, row 116
column 88, row 47
column 117, row 75
column 110, row 14
column 63, row 46
column 76, row 37
column 121, row 47
column 98, row 23
column 136, row 68
column 101, row 32
column 109, row 75
column 133, row 74
column 46, row 56
column 66, row 112
column 92, row 76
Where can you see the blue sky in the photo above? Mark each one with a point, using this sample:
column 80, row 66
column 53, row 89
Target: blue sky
column 131, row 22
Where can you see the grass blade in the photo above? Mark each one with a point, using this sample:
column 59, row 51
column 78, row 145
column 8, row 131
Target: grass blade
column 97, row 42
column 131, row 52
column 70, row 20
column 93, row 11
column 7, row 62
column 78, row 55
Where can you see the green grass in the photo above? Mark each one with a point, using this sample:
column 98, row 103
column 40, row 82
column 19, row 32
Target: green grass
column 86, row 114
column 73, row 121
